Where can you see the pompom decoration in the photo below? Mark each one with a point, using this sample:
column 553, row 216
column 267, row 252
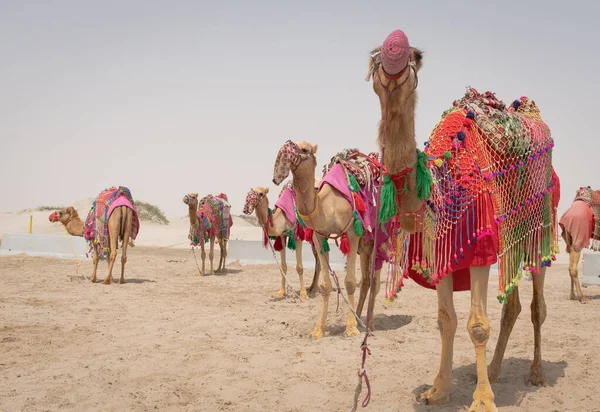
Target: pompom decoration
column 345, row 245
column 278, row 246
column 308, row 234
column 447, row 155
column 470, row 115
column 438, row 162
column 460, row 135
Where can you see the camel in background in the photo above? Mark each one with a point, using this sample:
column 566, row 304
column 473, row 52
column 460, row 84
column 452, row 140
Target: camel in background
column 210, row 219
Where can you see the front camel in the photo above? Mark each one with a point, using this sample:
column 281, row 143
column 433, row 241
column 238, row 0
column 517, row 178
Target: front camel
column 494, row 194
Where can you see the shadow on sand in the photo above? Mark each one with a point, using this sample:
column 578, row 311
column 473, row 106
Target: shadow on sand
column 509, row 391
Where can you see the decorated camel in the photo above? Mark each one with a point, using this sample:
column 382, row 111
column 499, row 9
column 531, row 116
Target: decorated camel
column 580, row 228
column 112, row 217
column 210, row 219
column 340, row 207
column 280, row 225
column 494, row 194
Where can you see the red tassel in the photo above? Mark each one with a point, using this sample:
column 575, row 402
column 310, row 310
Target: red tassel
column 265, row 239
column 345, row 245
column 308, row 234
column 358, row 203
column 278, row 246
column 299, row 232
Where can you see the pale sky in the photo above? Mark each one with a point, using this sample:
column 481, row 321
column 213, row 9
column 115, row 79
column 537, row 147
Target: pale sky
column 171, row 97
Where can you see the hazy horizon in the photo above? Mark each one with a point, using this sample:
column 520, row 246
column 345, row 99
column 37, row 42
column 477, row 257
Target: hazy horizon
column 168, row 98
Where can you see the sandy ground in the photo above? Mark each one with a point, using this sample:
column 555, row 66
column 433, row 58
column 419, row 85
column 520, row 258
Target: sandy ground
column 169, row 339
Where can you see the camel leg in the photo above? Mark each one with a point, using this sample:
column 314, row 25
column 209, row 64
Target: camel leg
column 510, row 312
column 325, row 288
column 281, row 292
column 439, row 393
column 573, row 263
column 203, row 256
column 221, row 267
column 300, row 269
column 350, row 283
column 95, row 259
column 538, row 316
column 128, row 225
column 224, row 254
column 314, row 286
column 211, row 255
column 479, row 330
column 114, row 230
column 365, row 283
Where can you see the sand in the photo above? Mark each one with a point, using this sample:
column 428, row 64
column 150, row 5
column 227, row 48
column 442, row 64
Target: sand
column 169, row 339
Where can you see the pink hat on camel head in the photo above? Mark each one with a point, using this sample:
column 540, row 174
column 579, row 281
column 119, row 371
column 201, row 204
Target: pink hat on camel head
column 395, row 52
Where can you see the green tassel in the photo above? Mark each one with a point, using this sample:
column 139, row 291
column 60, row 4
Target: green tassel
column 300, row 219
column 325, row 245
column 389, row 208
column 291, row 244
column 272, row 237
column 206, row 238
column 424, row 179
column 358, row 227
column 353, row 183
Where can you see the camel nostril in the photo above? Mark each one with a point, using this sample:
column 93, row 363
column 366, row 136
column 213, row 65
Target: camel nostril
column 274, row 181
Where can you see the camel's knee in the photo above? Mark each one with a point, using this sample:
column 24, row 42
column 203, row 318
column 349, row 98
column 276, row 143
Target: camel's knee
column 350, row 286
column 113, row 255
column 284, row 267
column 479, row 328
column 573, row 272
column 538, row 310
column 203, row 255
column 447, row 321
column 123, row 259
column 211, row 256
column 299, row 270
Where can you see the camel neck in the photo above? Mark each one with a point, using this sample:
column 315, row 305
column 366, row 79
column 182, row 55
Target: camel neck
column 74, row 227
column 400, row 143
column 304, row 186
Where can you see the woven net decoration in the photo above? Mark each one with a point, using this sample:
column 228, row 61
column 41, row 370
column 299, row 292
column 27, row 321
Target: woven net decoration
column 217, row 209
column 96, row 223
column 494, row 185
column 592, row 199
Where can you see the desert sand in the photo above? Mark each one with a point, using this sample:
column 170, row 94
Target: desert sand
column 170, row 339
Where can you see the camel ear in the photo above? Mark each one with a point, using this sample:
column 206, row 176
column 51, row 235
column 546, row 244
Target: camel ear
column 372, row 60
column 314, row 149
column 266, row 191
column 417, row 56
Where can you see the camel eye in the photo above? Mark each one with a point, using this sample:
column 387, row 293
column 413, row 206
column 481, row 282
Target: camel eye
column 304, row 150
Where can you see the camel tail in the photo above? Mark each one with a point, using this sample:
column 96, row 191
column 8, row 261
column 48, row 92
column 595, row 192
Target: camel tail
column 123, row 224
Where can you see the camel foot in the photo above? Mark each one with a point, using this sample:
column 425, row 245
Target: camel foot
column 583, row 299
column 435, row 396
column 351, row 330
column 93, row 279
column 303, row 294
column 573, row 296
column 108, row 281
column 493, row 373
column 279, row 294
column 121, row 281
column 483, row 405
column 536, row 377
column 317, row 332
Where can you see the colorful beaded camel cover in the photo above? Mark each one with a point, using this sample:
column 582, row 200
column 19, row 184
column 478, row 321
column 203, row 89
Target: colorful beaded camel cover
column 96, row 224
column 494, row 195
column 592, row 199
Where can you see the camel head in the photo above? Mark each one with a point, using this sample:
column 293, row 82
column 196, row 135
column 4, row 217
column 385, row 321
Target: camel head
column 392, row 66
column 256, row 196
column 292, row 156
column 191, row 199
column 64, row 216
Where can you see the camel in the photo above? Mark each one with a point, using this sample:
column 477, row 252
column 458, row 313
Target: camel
column 209, row 219
column 438, row 260
column 282, row 224
column 325, row 212
column 580, row 226
column 123, row 224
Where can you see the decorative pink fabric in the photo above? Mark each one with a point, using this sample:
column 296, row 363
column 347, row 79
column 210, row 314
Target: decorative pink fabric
column 123, row 201
column 395, row 52
column 578, row 220
column 286, row 204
